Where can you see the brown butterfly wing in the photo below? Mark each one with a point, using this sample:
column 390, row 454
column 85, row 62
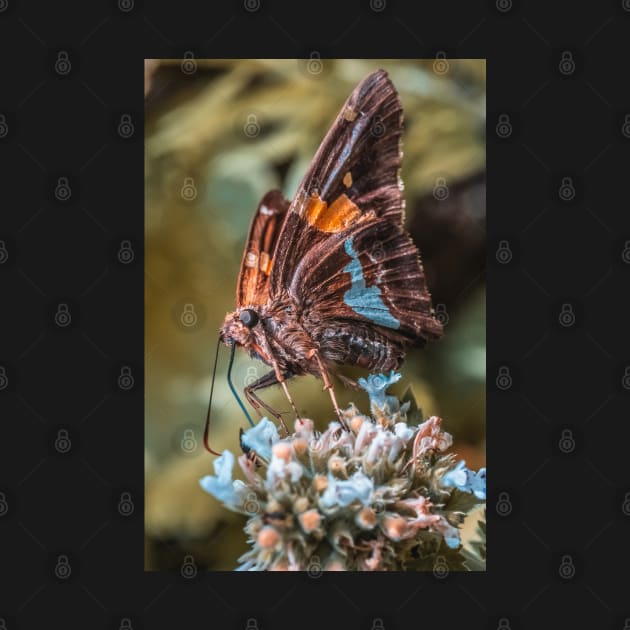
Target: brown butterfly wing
column 342, row 253
column 354, row 171
column 253, row 285
column 370, row 272
column 360, row 155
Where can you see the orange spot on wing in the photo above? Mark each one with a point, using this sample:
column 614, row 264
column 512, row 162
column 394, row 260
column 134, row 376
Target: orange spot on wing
column 334, row 218
column 315, row 207
column 251, row 290
column 265, row 263
column 349, row 114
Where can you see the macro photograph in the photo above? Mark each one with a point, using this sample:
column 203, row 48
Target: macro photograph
column 315, row 315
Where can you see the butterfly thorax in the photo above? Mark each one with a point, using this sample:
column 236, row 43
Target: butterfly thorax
column 292, row 346
column 271, row 333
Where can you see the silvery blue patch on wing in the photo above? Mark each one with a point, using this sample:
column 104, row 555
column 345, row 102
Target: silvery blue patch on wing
column 364, row 300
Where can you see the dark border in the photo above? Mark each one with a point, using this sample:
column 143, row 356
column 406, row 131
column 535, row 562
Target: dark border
column 555, row 183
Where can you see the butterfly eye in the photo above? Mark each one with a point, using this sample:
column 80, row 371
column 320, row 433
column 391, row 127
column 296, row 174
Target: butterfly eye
column 248, row 317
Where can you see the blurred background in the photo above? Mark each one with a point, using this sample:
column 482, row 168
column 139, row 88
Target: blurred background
column 218, row 135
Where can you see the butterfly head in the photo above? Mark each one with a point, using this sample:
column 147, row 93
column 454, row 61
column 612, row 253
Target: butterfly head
column 238, row 327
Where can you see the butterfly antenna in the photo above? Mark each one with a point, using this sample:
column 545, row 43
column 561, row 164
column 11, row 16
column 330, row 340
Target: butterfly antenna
column 207, row 429
column 229, row 379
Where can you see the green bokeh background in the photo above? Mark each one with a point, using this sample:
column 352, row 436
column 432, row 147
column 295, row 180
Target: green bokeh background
column 205, row 172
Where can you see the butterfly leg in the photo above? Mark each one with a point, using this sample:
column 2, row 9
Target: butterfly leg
column 323, row 372
column 281, row 378
column 290, row 399
column 263, row 382
column 348, row 382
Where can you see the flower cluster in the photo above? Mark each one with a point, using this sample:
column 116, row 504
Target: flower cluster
column 382, row 496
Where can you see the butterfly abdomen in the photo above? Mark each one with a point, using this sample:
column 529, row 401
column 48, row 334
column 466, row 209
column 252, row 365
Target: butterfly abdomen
column 363, row 346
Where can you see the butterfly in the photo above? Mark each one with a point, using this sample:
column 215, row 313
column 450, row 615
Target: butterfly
column 332, row 278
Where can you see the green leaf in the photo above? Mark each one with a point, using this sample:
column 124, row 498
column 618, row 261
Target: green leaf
column 479, row 545
column 430, row 547
column 473, row 561
column 462, row 501
column 414, row 414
